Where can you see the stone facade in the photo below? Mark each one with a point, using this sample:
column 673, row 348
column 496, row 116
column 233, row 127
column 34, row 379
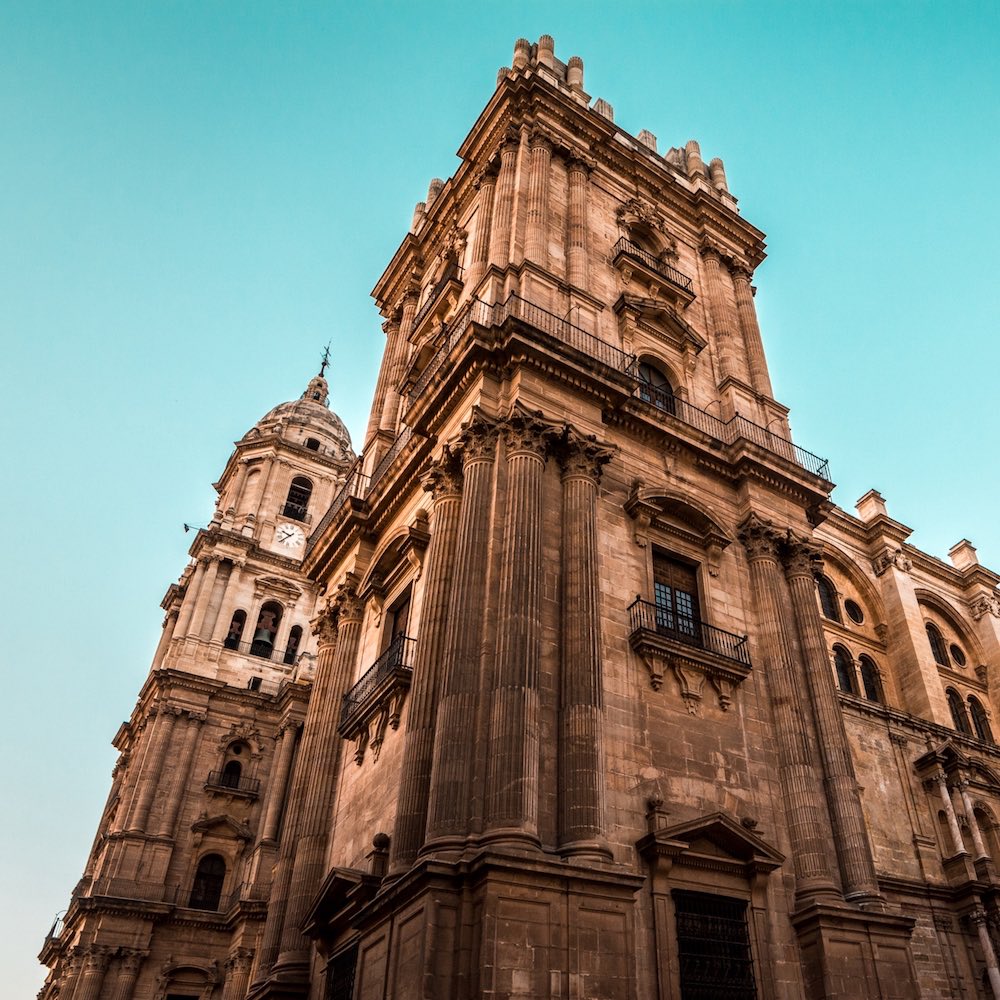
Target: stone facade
column 609, row 700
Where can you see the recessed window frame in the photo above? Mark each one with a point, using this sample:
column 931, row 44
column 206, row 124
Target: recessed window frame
column 854, row 611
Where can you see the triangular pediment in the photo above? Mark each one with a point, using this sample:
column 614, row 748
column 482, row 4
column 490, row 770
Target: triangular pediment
column 662, row 319
column 222, row 825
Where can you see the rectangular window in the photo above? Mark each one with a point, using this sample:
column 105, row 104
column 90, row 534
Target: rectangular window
column 340, row 975
column 675, row 594
column 713, row 947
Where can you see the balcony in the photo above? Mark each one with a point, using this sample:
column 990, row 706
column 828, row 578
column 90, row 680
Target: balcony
column 232, row 784
column 694, row 651
column 376, row 700
column 626, row 249
column 262, row 650
column 452, row 274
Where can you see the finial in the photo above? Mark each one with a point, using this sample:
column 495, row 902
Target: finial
column 326, row 360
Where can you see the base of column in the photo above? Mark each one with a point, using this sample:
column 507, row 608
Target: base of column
column 817, row 892
column 510, row 838
column 594, row 849
column 284, row 982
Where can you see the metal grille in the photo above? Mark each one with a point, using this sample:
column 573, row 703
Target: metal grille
column 340, row 975
column 713, row 946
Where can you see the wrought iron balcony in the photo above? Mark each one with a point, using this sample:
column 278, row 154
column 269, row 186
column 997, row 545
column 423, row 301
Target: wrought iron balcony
column 220, row 781
column 647, row 616
column 397, row 658
column 262, row 650
column 627, row 248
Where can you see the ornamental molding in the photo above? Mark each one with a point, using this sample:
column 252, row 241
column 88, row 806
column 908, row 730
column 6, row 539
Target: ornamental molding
column 477, row 439
column 444, row 478
column 985, row 604
column 275, row 586
column 245, row 732
column 583, row 456
column 526, row 432
column 889, row 559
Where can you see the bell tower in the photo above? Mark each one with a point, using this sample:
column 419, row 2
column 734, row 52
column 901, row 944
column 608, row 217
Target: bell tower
column 199, row 791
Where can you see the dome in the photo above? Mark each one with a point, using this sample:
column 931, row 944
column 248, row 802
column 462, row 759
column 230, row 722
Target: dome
column 309, row 419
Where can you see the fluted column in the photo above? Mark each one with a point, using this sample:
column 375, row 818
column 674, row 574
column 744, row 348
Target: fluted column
column 512, row 767
column 390, row 412
column 813, row 869
column 970, row 813
column 152, row 767
column 850, row 832
column 71, row 974
column 979, row 920
column 263, row 504
column 169, row 625
column 581, row 703
column 237, row 969
column 486, row 184
column 390, row 328
column 503, row 215
column 941, row 780
column 747, row 314
column 128, row 971
column 577, row 264
column 95, row 965
column 204, row 595
column 278, row 783
column 190, row 601
column 321, row 754
column 414, row 784
column 182, row 774
column 536, row 243
column 451, row 768
column 722, row 326
column 225, row 614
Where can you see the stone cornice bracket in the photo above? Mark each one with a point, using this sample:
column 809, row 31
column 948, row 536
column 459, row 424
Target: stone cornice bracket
column 583, row 456
column 891, row 558
column 642, row 512
column 760, row 538
column 984, row 604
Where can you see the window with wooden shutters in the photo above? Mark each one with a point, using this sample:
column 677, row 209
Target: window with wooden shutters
column 675, row 594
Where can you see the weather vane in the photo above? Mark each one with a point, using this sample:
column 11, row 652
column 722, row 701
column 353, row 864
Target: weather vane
column 326, row 359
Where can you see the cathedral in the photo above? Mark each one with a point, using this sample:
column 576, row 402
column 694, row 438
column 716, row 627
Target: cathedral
column 571, row 682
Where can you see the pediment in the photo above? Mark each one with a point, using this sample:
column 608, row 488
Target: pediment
column 716, row 840
column 222, row 825
column 661, row 318
column 276, row 586
column 341, row 894
column 677, row 514
column 947, row 754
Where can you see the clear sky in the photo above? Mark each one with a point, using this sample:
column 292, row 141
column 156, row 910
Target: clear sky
column 196, row 197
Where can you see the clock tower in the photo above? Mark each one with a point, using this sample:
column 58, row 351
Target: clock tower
column 200, row 790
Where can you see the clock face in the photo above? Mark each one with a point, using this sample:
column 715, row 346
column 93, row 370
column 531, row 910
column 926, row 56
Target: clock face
column 290, row 536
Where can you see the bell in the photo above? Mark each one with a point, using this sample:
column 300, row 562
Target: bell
column 263, row 635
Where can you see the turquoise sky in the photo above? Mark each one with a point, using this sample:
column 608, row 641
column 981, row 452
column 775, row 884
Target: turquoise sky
column 195, row 197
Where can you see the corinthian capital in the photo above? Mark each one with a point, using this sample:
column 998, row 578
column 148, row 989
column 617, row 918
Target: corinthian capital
column 444, row 477
column 583, row 456
column 349, row 606
column 525, row 431
column 324, row 627
column 477, row 439
column 760, row 538
column 801, row 557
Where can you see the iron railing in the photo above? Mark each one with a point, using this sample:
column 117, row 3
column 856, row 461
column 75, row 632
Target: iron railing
column 355, row 485
column 778, row 445
column 476, row 311
column 630, row 249
column 262, row 650
column 387, row 459
column 233, row 783
column 451, row 273
column 398, row 656
column 649, row 617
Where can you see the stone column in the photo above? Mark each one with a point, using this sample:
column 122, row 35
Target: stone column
column 536, row 247
column 265, row 490
column 978, row 918
column 95, row 965
column 722, row 326
column 128, row 971
column 445, row 479
column 581, row 704
column 747, row 314
column 941, row 780
column 152, row 767
column 503, row 216
column 796, row 769
column 225, row 616
column 451, row 769
column 190, row 600
column 390, row 413
column 204, row 595
column 577, row 264
column 970, row 812
column 389, row 328
column 71, row 974
column 486, row 185
column 850, row 832
column 169, row 625
column 279, row 781
column 237, row 968
column 512, row 766
column 182, row 775
column 321, row 755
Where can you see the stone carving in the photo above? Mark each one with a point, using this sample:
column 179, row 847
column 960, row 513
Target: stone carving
column 477, row 440
column 526, row 432
column 444, row 478
column 324, row 626
column 454, row 243
column 801, row 558
column 985, row 604
column 891, row 558
column 760, row 538
column 349, row 606
column 583, row 456
column 246, row 732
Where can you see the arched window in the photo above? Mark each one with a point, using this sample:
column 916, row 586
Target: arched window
column 655, row 388
column 870, row 680
column 231, row 774
column 937, row 645
column 979, row 721
column 828, row 599
column 297, row 504
column 236, row 626
column 206, row 893
column 845, row 670
column 958, row 717
column 988, row 828
column 294, row 641
column 267, row 627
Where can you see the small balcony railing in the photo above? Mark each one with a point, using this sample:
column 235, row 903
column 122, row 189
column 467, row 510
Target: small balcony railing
column 262, row 650
column 649, row 617
column 627, row 248
column 232, row 783
column 398, row 658
column 355, row 485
